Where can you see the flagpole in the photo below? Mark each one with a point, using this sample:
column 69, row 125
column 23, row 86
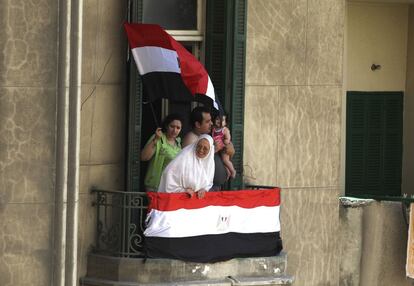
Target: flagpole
column 153, row 115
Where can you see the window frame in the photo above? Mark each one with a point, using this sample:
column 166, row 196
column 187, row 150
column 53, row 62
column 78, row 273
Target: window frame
column 192, row 35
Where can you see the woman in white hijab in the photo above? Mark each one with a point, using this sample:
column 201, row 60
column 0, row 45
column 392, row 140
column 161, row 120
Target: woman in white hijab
column 192, row 171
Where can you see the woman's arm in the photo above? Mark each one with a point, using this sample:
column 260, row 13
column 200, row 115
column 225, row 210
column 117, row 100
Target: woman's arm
column 148, row 151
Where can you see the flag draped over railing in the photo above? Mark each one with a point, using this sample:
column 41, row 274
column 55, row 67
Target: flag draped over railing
column 168, row 70
column 221, row 226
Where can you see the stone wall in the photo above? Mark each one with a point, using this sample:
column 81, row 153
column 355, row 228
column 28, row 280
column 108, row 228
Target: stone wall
column 384, row 245
column 28, row 65
column 103, row 114
column 293, row 125
column 374, row 242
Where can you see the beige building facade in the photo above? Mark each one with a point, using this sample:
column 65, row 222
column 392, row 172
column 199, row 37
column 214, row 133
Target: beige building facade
column 294, row 86
column 302, row 56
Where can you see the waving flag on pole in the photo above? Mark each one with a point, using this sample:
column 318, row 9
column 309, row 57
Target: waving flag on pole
column 168, row 70
column 221, row 226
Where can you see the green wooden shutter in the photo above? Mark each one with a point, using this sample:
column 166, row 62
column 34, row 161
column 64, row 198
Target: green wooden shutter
column 135, row 112
column 355, row 144
column 225, row 62
column 237, row 102
column 216, row 46
column 374, row 143
column 393, row 130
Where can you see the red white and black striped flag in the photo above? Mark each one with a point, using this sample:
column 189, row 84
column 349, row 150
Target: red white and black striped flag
column 221, row 226
column 168, row 70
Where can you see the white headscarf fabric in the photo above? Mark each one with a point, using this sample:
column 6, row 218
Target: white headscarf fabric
column 189, row 171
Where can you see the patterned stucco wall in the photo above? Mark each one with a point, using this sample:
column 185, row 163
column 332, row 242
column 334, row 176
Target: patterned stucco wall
column 28, row 64
column 103, row 114
column 293, row 117
column 28, row 79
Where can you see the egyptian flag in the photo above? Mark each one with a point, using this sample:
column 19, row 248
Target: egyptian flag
column 168, row 70
column 221, row 226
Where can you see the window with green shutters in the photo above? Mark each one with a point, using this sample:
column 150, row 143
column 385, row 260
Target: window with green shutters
column 374, row 144
column 225, row 62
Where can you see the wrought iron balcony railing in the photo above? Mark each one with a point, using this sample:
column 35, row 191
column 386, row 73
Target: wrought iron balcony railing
column 121, row 221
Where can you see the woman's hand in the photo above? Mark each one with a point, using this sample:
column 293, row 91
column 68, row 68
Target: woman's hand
column 158, row 134
column 148, row 151
column 190, row 192
column 201, row 193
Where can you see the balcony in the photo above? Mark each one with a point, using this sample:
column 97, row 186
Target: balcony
column 118, row 257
